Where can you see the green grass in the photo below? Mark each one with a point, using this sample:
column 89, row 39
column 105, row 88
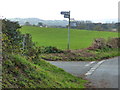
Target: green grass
column 21, row 73
column 58, row 36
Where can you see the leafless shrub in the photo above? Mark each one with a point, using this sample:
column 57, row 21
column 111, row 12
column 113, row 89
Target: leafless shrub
column 113, row 43
column 101, row 43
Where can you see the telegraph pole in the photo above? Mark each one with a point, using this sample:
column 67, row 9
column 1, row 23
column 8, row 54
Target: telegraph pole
column 67, row 15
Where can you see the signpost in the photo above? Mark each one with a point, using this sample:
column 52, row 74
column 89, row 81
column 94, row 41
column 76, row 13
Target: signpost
column 67, row 15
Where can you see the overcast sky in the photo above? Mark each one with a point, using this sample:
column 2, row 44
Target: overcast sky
column 50, row 9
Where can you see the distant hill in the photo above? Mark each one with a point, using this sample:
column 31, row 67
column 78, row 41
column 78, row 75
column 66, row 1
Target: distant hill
column 54, row 22
column 36, row 20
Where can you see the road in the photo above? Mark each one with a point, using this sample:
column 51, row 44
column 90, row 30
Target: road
column 101, row 74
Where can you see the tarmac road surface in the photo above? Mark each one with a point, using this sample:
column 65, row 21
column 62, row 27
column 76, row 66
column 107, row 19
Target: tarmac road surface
column 101, row 74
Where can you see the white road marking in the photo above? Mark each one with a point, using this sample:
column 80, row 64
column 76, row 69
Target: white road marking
column 94, row 68
column 89, row 63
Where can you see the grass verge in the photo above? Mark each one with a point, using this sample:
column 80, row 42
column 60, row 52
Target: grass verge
column 81, row 55
column 21, row 73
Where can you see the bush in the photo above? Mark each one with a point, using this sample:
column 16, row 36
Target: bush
column 104, row 45
column 11, row 37
column 113, row 42
column 99, row 43
column 51, row 49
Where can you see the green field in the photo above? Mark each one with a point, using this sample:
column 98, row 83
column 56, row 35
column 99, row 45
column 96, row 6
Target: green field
column 58, row 36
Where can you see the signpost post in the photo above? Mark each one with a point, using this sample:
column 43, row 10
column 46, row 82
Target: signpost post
column 67, row 15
